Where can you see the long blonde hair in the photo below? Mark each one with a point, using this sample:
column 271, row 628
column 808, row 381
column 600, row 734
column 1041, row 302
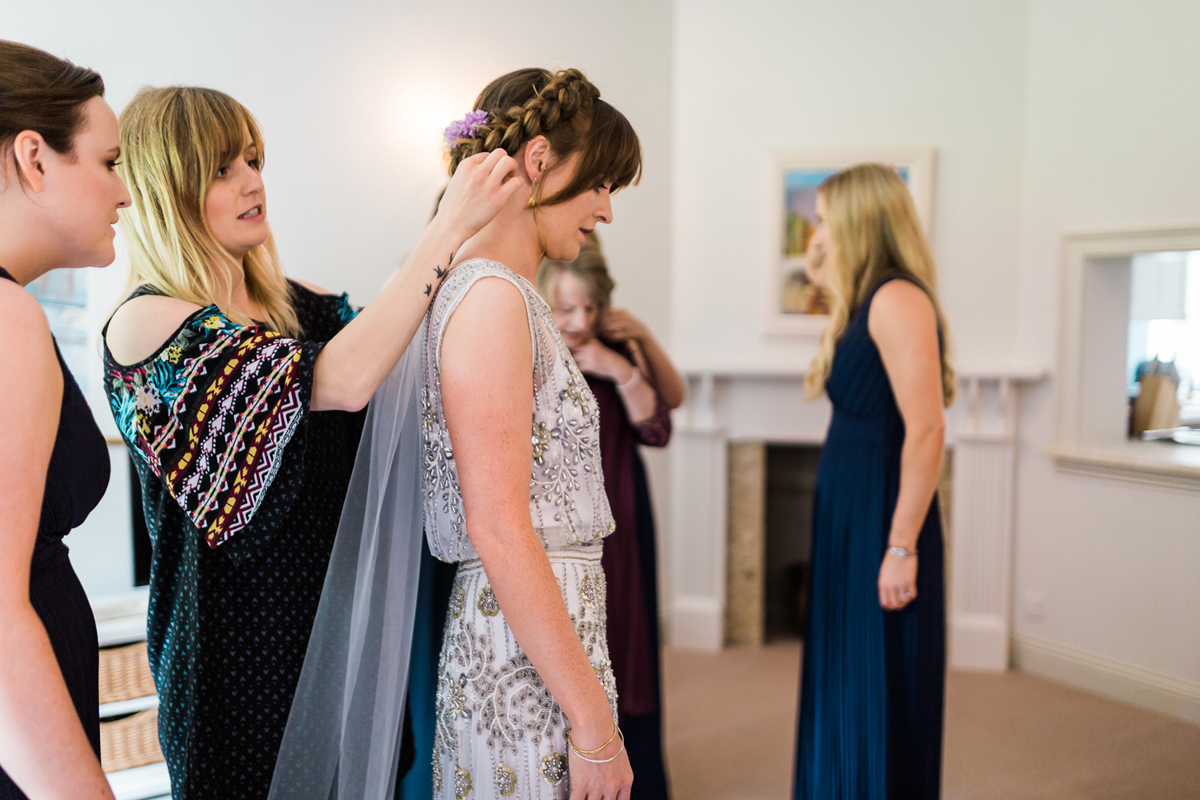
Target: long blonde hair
column 173, row 141
column 876, row 231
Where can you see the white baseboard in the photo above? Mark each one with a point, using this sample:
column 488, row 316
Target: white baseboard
column 697, row 623
column 141, row 783
column 978, row 642
column 1115, row 679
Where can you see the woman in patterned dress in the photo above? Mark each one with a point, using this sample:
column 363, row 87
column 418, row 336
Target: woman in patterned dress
column 513, row 484
column 236, row 391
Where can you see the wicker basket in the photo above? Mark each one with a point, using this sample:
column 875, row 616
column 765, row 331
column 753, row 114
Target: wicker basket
column 125, row 673
column 130, row 742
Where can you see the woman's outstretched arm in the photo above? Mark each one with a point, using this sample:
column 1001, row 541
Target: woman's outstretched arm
column 487, row 394
column 43, row 746
column 903, row 326
column 354, row 363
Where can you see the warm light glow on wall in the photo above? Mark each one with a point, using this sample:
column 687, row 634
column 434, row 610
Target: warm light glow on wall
column 423, row 114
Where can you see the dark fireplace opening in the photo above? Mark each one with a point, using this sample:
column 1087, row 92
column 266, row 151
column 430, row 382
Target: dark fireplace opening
column 791, row 477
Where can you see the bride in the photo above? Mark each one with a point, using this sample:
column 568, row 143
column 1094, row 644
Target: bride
column 504, row 428
column 526, row 701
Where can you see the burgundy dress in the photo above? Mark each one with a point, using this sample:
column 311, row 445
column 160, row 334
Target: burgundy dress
column 630, row 562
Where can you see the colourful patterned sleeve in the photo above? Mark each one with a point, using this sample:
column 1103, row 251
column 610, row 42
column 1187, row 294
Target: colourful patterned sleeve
column 211, row 414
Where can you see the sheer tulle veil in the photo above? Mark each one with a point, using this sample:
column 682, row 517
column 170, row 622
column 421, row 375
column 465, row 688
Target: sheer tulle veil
column 342, row 738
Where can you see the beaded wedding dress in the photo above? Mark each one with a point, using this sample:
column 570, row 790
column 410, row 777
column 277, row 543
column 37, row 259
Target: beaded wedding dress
column 499, row 731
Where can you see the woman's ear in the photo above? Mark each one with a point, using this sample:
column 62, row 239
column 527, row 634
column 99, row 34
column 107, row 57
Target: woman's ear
column 29, row 151
column 536, row 158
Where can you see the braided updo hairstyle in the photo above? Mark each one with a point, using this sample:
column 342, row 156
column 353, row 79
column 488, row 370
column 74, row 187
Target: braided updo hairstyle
column 566, row 108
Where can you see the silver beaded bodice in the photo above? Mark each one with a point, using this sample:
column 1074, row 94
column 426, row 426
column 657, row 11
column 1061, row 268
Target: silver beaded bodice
column 567, row 502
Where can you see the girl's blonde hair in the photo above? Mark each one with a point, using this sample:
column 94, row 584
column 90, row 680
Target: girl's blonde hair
column 173, row 141
column 876, row 231
column 590, row 268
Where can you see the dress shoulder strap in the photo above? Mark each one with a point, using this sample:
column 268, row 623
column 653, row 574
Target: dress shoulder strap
column 886, row 279
column 460, row 281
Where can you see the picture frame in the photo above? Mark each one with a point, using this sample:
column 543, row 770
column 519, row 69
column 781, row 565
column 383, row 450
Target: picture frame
column 794, row 307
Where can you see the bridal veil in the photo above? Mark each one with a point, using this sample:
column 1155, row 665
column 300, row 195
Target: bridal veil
column 342, row 738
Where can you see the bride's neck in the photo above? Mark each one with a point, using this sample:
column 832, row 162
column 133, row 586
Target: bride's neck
column 511, row 238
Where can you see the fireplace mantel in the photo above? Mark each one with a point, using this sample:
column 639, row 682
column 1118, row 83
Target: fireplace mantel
column 729, row 403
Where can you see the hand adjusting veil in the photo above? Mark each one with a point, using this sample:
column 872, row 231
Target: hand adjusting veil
column 342, row 738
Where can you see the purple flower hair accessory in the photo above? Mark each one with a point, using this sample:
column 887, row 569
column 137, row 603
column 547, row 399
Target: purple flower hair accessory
column 466, row 127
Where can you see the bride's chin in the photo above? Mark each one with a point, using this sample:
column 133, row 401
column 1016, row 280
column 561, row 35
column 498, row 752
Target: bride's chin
column 563, row 251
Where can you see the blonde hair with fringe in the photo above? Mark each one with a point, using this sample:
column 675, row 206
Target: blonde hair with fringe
column 876, row 232
column 173, row 141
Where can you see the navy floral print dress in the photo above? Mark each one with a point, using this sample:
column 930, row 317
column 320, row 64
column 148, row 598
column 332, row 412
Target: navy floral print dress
column 242, row 488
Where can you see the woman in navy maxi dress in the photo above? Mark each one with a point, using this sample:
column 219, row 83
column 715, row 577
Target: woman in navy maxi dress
column 873, row 680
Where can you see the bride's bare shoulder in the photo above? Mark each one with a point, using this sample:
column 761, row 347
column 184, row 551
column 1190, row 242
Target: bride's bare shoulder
column 140, row 327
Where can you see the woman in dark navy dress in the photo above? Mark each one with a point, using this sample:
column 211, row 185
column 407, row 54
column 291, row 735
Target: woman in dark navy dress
column 59, row 196
column 873, row 681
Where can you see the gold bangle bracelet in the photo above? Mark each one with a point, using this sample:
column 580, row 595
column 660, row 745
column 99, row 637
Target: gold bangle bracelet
column 579, row 752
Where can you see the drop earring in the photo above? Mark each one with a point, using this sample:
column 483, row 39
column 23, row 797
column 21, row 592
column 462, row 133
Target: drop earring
column 533, row 188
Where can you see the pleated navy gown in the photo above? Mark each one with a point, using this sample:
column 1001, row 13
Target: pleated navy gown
column 872, row 688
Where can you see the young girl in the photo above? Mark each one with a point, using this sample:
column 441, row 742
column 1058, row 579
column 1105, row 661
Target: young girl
column 59, row 196
column 526, row 703
column 230, row 385
column 873, row 683
column 624, row 366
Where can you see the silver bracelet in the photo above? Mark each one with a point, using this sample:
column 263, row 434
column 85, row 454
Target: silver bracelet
column 900, row 552
column 602, row 760
column 637, row 373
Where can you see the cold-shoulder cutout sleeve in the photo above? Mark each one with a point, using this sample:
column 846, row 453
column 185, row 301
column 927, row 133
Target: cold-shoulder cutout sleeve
column 211, row 413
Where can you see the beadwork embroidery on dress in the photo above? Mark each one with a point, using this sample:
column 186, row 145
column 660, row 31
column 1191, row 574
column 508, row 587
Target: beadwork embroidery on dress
column 499, row 732
column 566, row 490
column 494, row 714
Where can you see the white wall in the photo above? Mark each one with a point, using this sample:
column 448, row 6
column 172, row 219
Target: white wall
column 352, row 99
column 1111, row 141
column 752, row 76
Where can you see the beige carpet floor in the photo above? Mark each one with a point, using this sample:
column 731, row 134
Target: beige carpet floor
column 731, row 718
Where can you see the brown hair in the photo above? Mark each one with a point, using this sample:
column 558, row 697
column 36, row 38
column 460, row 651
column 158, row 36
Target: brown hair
column 42, row 93
column 173, row 141
column 566, row 108
column 877, row 233
column 590, row 268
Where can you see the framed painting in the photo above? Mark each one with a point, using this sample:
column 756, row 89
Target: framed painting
column 795, row 306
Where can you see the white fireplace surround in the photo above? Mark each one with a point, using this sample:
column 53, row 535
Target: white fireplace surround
column 731, row 405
